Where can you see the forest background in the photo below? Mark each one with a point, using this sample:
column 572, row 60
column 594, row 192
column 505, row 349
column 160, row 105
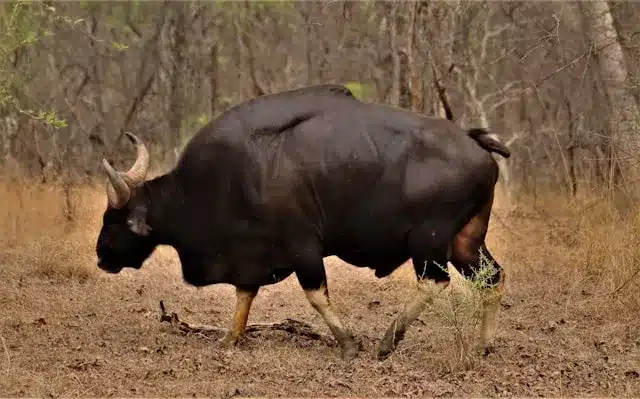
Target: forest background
column 559, row 82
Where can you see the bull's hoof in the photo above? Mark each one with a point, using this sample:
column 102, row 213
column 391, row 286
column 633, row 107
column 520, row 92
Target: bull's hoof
column 385, row 349
column 349, row 350
column 228, row 341
column 389, row 341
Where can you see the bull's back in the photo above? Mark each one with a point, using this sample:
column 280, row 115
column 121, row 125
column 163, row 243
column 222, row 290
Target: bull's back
column 359, row 149
column 390, row 172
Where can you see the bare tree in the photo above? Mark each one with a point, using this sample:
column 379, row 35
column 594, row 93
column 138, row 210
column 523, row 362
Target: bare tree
column 623, row 111
column 525, row 69
column 481, row 98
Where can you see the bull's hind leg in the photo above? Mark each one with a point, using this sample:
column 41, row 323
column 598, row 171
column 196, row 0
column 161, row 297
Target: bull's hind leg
column 244, row 299
column 313, row 279
column 471, row 257
column 431, row 271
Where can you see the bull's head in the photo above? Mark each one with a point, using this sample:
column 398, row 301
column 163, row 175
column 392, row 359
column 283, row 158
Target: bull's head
column 125, row 238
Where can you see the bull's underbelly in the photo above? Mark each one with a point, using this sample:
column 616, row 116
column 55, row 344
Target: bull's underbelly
column 239, row 274
column 383, row 263
column 375, row 234
column 380, row 245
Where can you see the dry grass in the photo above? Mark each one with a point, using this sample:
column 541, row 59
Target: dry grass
column 37, row 236
column 569, row 327
column 582, row 248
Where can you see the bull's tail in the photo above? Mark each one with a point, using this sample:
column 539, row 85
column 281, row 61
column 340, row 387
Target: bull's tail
column 489, row 141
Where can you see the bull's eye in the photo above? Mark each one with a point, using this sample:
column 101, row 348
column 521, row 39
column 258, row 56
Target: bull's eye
column 137, row 226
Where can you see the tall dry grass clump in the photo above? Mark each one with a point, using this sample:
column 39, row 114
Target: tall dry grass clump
column 48, row 230
column 460, row 310
column 564, row 260
column 580, row 249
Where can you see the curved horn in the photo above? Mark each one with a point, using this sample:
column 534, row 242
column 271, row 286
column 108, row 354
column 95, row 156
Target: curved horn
column 118, row 192
column 138, row 171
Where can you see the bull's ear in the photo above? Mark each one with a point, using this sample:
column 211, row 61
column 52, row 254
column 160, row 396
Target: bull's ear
column 137, row 221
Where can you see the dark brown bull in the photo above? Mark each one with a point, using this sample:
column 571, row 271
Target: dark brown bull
column 276, row 184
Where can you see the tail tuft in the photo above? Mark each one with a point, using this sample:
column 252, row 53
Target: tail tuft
column 489, row 141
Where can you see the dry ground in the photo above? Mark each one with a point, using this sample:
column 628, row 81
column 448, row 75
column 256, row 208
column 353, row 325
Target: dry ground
column 570, row 324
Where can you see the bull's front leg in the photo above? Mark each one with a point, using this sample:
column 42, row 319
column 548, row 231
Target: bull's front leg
column 311, row 274
column 319, row 299
column 244, row 299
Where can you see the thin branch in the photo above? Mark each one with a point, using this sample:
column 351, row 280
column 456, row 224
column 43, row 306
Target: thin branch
column 558, row 70
column 514, row 137
column 137, row 100
column 502, row 102
column 6, row 353
column 507, row 87
column 441, row 90
column 288, row 325
column 527, row 89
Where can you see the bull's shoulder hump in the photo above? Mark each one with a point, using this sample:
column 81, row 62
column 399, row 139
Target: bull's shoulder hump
column 278, row 112
column 316, row 91
column 331, row 89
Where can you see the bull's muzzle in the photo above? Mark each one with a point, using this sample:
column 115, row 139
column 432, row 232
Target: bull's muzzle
column 104, row 265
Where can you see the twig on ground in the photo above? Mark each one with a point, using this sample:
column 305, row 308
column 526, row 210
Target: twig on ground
column 616, row 290
column 288, row 325
column 173, row 319
column 625, row 283
column 6, row 353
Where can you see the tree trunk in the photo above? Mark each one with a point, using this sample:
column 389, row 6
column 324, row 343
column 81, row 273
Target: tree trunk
column 447, row 28
column 177, row 41
column 622, row 118
column 415, row 82
column 213, row 79
column 396, row 79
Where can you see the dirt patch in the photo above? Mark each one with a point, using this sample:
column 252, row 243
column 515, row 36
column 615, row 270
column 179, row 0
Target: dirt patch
column 86, row 333
column 103, row 337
